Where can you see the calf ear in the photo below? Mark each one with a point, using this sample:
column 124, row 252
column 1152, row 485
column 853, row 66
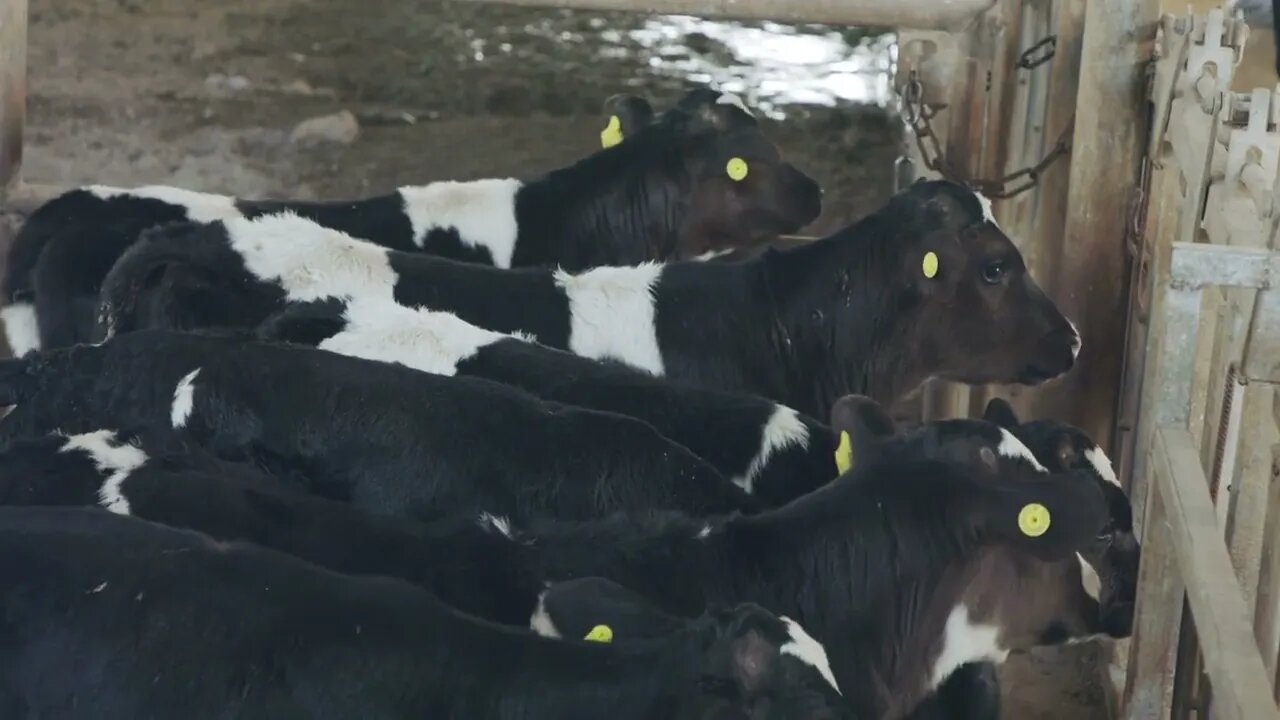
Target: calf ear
column 624, row 116
column 1000, row 412
column 1049, row 516
column 717, row 110
column 859, row 424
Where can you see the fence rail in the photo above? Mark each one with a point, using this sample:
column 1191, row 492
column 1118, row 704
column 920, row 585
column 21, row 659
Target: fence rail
column 1203, row 459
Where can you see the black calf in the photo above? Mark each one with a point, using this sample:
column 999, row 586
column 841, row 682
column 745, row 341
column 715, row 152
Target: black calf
column 470, row 565
column 767, row 449
column 113, row 617
column 389, row 439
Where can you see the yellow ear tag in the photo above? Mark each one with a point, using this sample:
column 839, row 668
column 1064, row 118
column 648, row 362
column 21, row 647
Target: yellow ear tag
column 930, row 264
column 1033, row 520
column 844, row 454
column 600, row 633
column 612, row 133
column 737, row 169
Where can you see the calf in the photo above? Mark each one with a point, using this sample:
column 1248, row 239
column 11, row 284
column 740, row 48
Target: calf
column 667, row 191
column 973, row 692
column 472, row 566
column 1062, row 447
column 767, row 449
column 927, row 286
column 113, row 617
column 387, row 438
column 905, row 569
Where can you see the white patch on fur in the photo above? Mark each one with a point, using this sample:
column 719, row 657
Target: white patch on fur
column 310, row 261
column 1101, row 465
column 200, row 207
column 495, row 522
column 705, row 532
column 988, row 213
column 482, row 211
column 20, row 328
column 963, row 642
column 1076, row 341
column 184, row 396
column 807, row 650
column 710, row 255
column 114, row 459
column 540, row 622
column 1012, row 447
column 433, row 342
column 1089, row 578
column 611, row 314
column 734, row 100
column 783, row 429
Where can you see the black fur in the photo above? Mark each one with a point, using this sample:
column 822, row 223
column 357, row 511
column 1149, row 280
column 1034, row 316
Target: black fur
column 112, row 618
column 468, row 564
column 725, row 429
column 389, row 439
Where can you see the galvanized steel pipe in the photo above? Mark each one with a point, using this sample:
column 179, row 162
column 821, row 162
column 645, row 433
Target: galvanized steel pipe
column 921, row 14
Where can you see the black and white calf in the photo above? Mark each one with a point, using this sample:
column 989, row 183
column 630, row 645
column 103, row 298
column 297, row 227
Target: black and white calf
column 387, row 438
column 904, row 570
column 112, row 617
column 666, row 192
column 1062, row 447
column 1109, row 569
column 926, row 287
column 470, row 565
column 767, row 449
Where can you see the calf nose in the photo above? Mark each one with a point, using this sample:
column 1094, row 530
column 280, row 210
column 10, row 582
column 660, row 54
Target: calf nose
column 805, row 195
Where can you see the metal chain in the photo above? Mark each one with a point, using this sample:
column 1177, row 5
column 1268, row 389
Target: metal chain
column 1039, row 54
column 919, row 115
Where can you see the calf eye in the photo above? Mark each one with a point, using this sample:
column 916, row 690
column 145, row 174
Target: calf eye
column 994, row 272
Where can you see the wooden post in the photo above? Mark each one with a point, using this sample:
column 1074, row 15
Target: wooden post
column 1090, row 282
column 13, row 89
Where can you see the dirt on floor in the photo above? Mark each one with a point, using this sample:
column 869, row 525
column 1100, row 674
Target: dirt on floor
column 207, row 95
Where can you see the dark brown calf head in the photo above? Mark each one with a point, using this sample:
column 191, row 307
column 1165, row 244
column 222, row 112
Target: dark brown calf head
column 977, row 316
column 1111, row 563
column 737, row 189
column 1015, row 579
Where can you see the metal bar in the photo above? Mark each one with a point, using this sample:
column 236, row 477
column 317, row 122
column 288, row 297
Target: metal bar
column 13, row 88
column 1091, row 264
column 1241, row 686
column 1171, row 383
column 922, row 14
column 1262, row 355
column 1157, row 620
column 1197, row 265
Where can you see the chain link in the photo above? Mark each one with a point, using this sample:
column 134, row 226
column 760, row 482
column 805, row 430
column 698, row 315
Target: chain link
column 919, row 115
column 1039, row 54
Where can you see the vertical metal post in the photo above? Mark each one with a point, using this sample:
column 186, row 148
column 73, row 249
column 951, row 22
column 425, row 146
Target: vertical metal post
column 1089, row 258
